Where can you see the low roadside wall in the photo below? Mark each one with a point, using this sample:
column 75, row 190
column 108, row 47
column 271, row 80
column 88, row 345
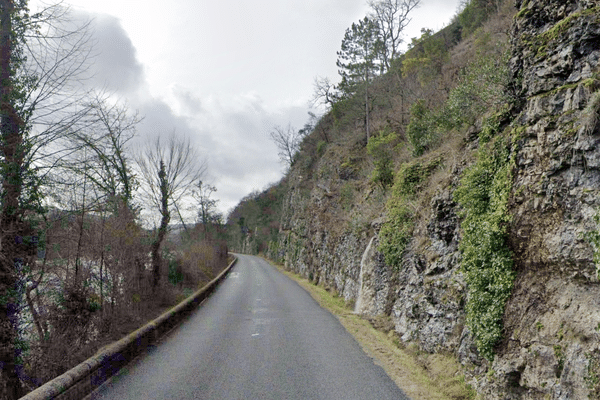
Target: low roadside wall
column 86, row 377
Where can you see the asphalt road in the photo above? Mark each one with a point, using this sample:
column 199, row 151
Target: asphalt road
column 259, row 336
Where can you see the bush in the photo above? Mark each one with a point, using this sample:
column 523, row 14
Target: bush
column 411, row 175
column 483, row 86
column 426, row 57
column 422, row 128
column 381, row 149
column 486, row 260
column 175, row 272
column 321, row 146
column 475, row 13
column 396, row 232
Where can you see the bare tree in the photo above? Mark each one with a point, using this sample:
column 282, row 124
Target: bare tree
column 104, row 138
column 392, row 17
column 207, row 213
column 168, row 172
column 287, row 141
column 57, row 51
column 325, row 93
column 98, row 172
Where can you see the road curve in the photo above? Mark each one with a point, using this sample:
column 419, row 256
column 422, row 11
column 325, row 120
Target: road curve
column 259, row 336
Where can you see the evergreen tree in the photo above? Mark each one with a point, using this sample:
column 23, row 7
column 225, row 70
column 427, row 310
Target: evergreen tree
column 359, row 61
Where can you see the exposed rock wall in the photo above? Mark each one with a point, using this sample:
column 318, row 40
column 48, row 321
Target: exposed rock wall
column 552, row 343
column 315, row 250
column 551, row 347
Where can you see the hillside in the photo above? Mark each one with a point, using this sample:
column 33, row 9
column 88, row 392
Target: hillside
column 469, row 217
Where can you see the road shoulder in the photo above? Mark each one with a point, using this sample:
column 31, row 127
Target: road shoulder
column 419, row 375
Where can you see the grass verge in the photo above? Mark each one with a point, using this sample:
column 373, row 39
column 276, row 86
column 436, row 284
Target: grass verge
column 420, row 375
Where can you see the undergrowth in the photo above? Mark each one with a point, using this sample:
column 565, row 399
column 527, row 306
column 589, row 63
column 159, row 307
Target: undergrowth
column 381, row 148
column 396, row 232
column 486, row 260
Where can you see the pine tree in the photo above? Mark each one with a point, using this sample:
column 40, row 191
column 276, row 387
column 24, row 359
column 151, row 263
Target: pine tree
column 359, row 61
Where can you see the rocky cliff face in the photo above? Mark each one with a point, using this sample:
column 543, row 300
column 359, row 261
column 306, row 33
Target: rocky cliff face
column 551, row 346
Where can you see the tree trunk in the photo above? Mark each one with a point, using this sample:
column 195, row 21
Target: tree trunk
column 35, row 315
column 11, row 149
column 102, row 264
column 80, row 239
column 162, row 229
column 367, row 103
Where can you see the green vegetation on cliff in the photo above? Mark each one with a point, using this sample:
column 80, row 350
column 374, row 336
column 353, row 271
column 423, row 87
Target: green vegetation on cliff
column 487, row 262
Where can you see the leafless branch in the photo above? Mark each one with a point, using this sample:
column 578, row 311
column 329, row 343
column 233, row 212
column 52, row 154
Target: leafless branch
column 287, row 141
column 393, row 18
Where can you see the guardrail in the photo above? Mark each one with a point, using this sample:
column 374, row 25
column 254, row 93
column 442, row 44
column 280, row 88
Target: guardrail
column 86, row 377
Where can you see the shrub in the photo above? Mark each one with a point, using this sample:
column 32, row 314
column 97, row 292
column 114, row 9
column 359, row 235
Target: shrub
column 487, row 262
column 483, row 86
column 421, row 128
column 426, row 57
column 347, row 196
column 321, row 146
column 411, row 175
column 380, row 147
column 396, row 232
column 475, row 13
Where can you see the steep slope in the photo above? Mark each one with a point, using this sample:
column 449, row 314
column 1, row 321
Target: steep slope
column 482, row 247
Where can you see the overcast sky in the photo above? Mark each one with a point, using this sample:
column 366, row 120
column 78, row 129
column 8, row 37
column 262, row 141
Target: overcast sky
column 224, row 72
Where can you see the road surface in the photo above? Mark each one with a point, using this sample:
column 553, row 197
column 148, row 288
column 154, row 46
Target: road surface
column 259, row 336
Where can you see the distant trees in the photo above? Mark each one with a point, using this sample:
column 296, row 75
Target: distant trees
column 253, row 226
column 73, row 253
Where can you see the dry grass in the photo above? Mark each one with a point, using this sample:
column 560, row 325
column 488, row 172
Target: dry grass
column 419, row 375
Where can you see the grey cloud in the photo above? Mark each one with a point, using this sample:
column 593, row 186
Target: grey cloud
column 159, row 119
column 115, row 65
